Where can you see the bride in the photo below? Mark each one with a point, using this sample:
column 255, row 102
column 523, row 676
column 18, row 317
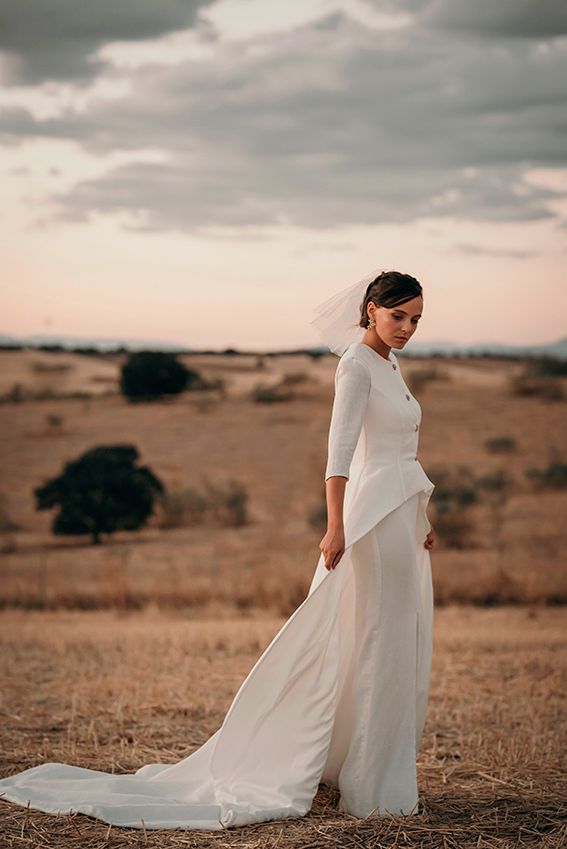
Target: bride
column 340, row 694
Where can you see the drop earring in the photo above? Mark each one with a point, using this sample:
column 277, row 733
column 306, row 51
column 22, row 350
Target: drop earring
column 371, row 322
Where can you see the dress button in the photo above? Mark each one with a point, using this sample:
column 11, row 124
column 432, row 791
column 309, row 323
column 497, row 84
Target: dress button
column 415, row 458
column 394, row 366
column 416, row 427
column 407, row 396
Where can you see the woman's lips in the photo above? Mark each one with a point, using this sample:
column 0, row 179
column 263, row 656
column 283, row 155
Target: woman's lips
column 401, row 339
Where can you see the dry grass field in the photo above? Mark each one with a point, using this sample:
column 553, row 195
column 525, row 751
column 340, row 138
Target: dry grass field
column 105, row 647
column 505, row 547
column 115, row 690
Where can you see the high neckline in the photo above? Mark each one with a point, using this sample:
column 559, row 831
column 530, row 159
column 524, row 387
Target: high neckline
column 387, row 359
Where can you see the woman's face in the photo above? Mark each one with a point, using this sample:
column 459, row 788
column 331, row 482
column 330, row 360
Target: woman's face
column 395, row 325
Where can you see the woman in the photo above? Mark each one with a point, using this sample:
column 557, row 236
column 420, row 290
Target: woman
column 340, row 693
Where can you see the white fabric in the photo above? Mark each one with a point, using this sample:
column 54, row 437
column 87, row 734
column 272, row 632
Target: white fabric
column 352, row 389
column 336, row 319
column 340, row 693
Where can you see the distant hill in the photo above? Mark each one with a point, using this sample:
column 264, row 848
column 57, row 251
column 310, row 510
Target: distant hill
column 418, row 349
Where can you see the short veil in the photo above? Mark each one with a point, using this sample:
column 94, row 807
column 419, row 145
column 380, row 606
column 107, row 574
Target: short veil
column 336, row 319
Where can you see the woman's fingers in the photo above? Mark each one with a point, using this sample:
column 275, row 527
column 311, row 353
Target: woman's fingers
column 332, row 560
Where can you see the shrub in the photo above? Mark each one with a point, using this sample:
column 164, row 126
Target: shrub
column 229, row 504
column 494, row 481
column 553, row 477
column 547, row 366
column 6, row 521
column 54, row 420
column 293, row 377
column 40, row 366
column 455, row 529
column 149, row 375
column 501, row 444
column 540, row 387
column 101, row 492
column 221, row 505
column 182, row 508
column 317, row 516
column 418, row 378
column 263, row 394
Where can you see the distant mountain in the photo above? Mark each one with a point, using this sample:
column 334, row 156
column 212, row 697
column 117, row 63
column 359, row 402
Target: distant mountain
column 36, row 339
column 553, row 349
column 442, row 347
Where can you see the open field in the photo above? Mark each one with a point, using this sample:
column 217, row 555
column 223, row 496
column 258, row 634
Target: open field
column 510, row 541
column 105, row 647
column 114, row 690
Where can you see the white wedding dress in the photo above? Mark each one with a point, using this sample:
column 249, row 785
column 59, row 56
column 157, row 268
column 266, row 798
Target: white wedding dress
column 340, row 693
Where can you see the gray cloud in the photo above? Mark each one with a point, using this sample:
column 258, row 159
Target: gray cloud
column 332, row 124
column 56, row 39
column 504, row 18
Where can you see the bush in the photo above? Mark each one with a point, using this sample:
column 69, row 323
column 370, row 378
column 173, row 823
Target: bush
column 547, row 366
column 501, row 445
column 494, row 481
column 540, row 387
column 453, row 489
column 418, row 378
column 182, row 508
column 270, row 394
column 293, row 377
column 6, row 521
column 149, row 375
column 317, row 516
column 454, row 529
column 222, row 505
column 553, row 477
column 101, row 492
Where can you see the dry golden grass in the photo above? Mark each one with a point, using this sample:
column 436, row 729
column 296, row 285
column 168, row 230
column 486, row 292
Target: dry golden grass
column 277, row 452
column 113, row 691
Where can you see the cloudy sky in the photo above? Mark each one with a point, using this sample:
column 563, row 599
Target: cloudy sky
column 206, row 172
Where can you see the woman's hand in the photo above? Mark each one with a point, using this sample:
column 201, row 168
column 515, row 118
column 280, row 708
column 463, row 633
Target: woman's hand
column 430, row 539
column 333, row 546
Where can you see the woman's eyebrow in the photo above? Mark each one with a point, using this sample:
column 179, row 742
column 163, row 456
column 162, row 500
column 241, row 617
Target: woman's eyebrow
column 397, row 309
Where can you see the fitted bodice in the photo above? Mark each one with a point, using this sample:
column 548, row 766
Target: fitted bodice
column 374, row 432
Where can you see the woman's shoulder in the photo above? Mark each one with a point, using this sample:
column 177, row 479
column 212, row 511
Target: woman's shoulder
column 354, row 368
column 355, row 359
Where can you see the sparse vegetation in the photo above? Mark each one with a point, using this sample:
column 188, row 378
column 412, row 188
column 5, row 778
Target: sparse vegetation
column 554, row 476
column 501, row 445
column 263, row 394
column 51, row 367
column 546, row 366
column 418, row 378
column 225, row 506
column 546, row 388
column 294, row 377
column 6, row 522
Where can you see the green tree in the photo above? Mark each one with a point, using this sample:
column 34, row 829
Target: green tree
column 103, row 491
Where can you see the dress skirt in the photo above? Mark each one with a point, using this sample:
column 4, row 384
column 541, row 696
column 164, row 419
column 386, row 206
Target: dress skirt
column 338, row 696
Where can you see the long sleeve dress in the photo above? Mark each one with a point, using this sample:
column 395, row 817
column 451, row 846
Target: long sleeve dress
column 340, row 693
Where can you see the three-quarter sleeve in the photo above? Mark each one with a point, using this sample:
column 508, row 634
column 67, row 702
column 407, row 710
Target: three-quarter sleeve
column 352, row 388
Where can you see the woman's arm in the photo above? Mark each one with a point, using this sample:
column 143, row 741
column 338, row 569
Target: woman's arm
column 352, row 388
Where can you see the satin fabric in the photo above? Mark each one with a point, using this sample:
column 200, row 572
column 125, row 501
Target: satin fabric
column 340, row 693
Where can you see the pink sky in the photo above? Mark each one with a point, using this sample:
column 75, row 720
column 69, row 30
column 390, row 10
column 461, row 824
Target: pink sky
column 250, row 278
